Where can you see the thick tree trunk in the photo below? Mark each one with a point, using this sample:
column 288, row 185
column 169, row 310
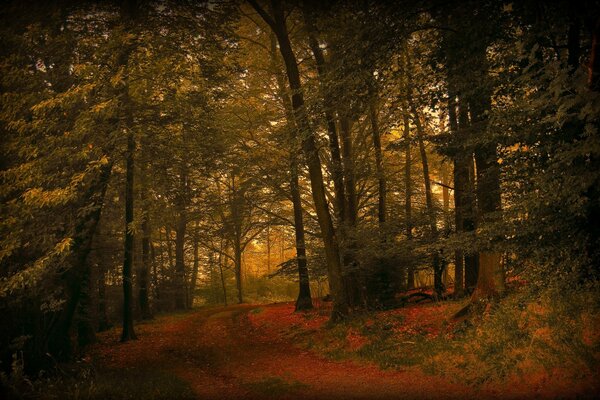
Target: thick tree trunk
column 278, row 25
column 465, row 189
column 128, row 14
column 490, row 279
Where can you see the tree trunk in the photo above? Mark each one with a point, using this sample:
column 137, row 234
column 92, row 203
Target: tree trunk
column 180, row 287
column 128, row 13
column 144, row 271
column 59, row 336
column 221, row 273
column 348, row 166
column 465, row 188
column 490, row 279
column 103, row 323
column 328, row 101
column 381, row 182
column 278, row 25
column 237, row 257
column 304, row 300
column 86, row 333
column 438, row 265
column 195, row 268
column 410, row 273
column 459, row 289
column 128, row 332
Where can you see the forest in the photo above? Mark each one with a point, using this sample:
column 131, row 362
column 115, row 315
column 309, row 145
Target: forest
column 299, row 199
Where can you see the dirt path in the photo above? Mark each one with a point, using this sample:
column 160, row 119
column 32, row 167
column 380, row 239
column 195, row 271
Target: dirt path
column 221, row 355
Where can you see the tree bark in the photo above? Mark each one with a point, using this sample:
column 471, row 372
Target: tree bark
column 195, row 268
column 337, row 171
column 381, row 181
column 304, row 300
column 180, row 230
column 459, row 289
column 144, row 271
column 128, row 331
column 490, row 277
column 410, row 273
column 438, row 266
column 128, row 14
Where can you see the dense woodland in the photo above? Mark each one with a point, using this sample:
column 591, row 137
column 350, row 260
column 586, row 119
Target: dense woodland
column 158, row 156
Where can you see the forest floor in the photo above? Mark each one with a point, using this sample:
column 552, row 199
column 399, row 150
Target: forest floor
column 269, row 352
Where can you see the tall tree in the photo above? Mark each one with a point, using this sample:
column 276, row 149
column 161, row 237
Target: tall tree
column 277, row 23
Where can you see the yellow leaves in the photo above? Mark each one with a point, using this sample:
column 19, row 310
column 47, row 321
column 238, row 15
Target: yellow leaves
column 118, row 78
column 34, row 273
column 102, row 106
column 37, row 197
column 63, row 246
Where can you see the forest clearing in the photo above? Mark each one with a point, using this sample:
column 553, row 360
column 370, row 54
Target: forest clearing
column 298, row 199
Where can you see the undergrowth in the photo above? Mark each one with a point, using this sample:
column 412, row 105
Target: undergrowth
column 82, row 382
column 521, row 334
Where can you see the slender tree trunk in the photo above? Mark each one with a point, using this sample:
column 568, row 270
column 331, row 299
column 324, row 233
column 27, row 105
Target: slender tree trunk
column 348, row 166
column 128, row 332
column 278, row 25
column 169, row 240
column 438, row 266
column 103, row 323
column 144, row 271
column 86, row 333
column 223, row 285
column 381, row 181
column 237, row 256
column 155, row 277
column 465, row 188
column 328, row 101
column 195, row 268
column 180, row 286
column 128, row 14
column 304, row 300
column 410, row 273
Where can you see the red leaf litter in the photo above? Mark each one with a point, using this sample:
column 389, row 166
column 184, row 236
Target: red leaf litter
column 251, row 352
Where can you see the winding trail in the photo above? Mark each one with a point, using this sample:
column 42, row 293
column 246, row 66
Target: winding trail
column 221, row 355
